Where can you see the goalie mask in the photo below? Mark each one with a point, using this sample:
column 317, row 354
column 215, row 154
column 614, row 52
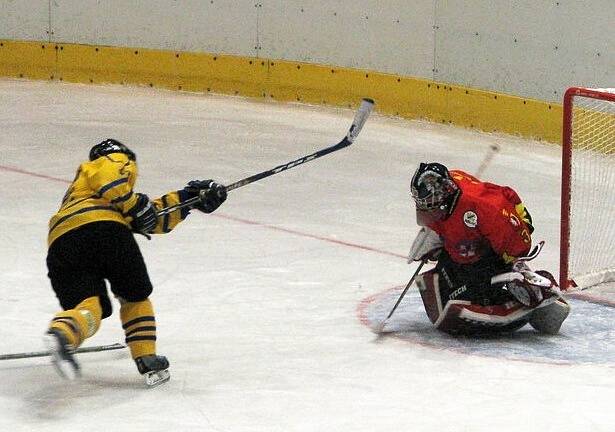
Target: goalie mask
column 433, row 190
column 109, row 146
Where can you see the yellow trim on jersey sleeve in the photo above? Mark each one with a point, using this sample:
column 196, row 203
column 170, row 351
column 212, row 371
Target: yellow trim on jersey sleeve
column 169, row 221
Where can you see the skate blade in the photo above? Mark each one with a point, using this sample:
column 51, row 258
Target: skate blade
column 66, row 369
column 156, row 378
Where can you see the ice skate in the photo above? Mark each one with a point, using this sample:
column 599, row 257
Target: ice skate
column 61, row 355
column 154, row 368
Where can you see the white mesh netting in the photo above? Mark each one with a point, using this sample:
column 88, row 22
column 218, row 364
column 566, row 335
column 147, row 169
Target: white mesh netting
column 592, row 205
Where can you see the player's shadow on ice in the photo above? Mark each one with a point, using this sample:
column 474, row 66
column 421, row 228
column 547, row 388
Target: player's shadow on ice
column 45, row 396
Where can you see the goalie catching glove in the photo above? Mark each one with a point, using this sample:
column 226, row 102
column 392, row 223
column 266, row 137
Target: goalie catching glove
column 211, row 194
column 426, row 246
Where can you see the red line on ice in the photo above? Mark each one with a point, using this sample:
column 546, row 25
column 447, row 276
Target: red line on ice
column 236, row 219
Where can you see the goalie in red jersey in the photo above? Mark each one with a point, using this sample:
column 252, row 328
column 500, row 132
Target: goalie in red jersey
column 479, row 234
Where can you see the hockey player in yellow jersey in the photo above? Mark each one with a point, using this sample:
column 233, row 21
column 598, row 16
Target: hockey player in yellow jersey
column 91, row 240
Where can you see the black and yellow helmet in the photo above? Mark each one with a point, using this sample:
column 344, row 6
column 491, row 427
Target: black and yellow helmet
column 109, row 146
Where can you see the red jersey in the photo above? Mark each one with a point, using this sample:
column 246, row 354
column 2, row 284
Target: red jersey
column 486, row 216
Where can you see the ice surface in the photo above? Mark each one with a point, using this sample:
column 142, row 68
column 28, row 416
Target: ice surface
column 262, row 307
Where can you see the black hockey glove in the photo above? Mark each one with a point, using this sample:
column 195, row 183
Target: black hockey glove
column 211, row 194
column 143, row 215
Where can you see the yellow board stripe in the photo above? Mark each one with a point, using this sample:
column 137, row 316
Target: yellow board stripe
column 406, row 97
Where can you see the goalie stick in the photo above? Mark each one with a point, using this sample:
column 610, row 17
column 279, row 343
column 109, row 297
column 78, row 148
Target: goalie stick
column 380, row 328
column 493, row 150
column 357, row 124
column 33, row 354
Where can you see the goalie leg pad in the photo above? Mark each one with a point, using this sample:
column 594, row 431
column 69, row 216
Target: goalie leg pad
column 429, row 288
column 462, row 317
column 549, row 319
column 436, row 289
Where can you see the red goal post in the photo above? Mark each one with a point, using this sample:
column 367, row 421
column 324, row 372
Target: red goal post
column 587, row 232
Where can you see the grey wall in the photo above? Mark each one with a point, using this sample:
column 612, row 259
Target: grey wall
column 530, row 48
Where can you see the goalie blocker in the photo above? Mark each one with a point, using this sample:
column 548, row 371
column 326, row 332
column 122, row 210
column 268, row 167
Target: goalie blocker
column 454, row 310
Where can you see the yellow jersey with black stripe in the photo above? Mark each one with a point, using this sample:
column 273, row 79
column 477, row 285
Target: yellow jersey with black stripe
column 103, row 191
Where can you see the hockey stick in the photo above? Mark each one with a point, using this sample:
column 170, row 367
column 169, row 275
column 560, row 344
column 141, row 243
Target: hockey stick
column 33, row 354
column 380, row 328
column 493, row 149
column 357, row 124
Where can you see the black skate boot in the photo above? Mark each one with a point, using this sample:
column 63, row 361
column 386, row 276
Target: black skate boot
column 154, row 368
column 61, row 354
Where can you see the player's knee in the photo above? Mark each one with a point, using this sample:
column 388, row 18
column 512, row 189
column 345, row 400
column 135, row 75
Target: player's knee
column 79, row 323
column 91, row 312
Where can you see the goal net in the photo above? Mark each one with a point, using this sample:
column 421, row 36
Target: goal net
column 588, row 189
